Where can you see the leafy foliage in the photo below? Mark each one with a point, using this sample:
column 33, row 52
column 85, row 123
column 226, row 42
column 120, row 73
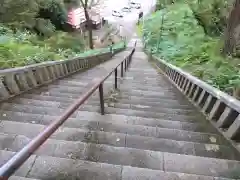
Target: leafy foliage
column 24, row 48
column 210, row 14
column 182, row 41
column 34, row 15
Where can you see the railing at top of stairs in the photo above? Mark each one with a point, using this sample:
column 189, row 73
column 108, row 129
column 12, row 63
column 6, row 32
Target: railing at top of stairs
column 19, row 158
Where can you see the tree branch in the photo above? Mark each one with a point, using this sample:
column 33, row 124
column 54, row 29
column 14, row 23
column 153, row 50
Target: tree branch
column 84, row 3
column 92, row 3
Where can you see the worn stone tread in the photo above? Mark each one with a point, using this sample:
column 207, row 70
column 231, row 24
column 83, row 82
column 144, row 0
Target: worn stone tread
column 126, row 128
column 89, row 151
column 20, row 178
column 148, row 114
column 95, row 100
column 110, row 110
column 95, row 106
column 85, row 118
column 122, row 140
column 46, row 167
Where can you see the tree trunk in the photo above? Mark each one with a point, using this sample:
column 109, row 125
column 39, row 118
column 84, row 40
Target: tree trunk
column 89, row 29
column 231, row 40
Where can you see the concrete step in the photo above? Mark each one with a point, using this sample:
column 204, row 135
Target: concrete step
column 92, row 102
column 125, row 86
column 88, row 151
column 157, row 92
column 155, row 83
column 20, row 178
column 162, row 103
column 32, row 109
column 143, row 97
column 86, row 118
column 149, row 99
column 95, row 100
column 110, row 110
column 123, row 140
column 47, row 98
column 126, row 128
column 60, row 89
column 134, row 85
column 158, row 115
column 69, row 82
column 159, row 108
column 175, row 167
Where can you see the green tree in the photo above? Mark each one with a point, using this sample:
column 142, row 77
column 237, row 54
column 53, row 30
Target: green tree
column 232, row 32
column 87, row 5
column 32, row 14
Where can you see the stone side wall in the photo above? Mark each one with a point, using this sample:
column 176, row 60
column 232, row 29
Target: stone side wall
column 18, row 80
column 220, row 108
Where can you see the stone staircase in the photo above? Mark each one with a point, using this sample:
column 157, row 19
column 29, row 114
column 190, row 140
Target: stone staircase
column 150, row 131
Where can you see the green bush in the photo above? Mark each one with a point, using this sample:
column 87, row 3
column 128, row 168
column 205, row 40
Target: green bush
column 34, row 15
column 182, row 41
column 23, row 48
column 210, row 14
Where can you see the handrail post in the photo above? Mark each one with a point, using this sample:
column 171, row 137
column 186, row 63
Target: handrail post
column 101, row 98
column 125, row 62
column 121, row 69
column 116, row 78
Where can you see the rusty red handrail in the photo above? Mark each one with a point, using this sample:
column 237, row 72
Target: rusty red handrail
column 19, row 158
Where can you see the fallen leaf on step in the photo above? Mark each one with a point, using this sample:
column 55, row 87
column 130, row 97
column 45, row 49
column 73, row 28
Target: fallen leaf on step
column 213, row 139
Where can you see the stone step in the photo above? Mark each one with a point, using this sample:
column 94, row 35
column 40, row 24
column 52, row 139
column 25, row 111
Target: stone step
column 67, row 91
column 88, row 151
column 147, row 82
column 142, row 79
column 143, row 97
column 157, row 92
column 68, row 82
column 95, row 101
column 163, row 103
column 20, row 178
column 86, row 118
column 158, row 115
column 155, row 83
column 24, row 101
column 47, row 98
column 181, row 167
column 159, row 108
column 109, row 110
column 32, row 109
column 123, row 140
column 149, row 99
column 60, row 89
column 126, row 128
column 58, row 94
column 159, row 96
column 125, row 86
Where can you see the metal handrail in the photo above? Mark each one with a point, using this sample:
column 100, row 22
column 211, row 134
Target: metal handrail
column 19, row 158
